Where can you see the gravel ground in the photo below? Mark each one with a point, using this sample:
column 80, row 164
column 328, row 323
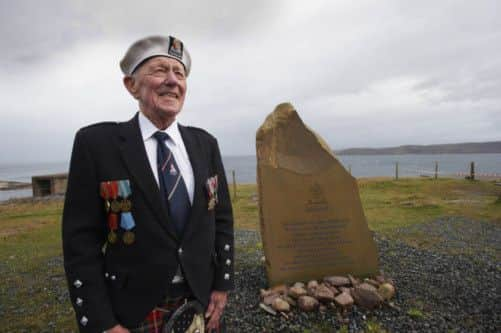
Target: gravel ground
column 436, row 292
column 461, row 236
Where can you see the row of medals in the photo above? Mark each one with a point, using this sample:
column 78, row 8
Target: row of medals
column 116, row 207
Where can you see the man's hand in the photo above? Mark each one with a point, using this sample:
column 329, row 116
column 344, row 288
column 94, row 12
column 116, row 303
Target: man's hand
column 117, row 329
column 215, row 309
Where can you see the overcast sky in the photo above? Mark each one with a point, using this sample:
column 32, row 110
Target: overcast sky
column 360, row 73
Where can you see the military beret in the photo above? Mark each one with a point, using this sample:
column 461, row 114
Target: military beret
column 152, row 46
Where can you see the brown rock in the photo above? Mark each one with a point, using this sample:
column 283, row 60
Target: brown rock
column 312, row 287
column 280, row 305
column 334, row 290
column 313, row 284
column 344, row 289
column 367, row 286
column 344, row 300
column 267, row 309
column 372, row 282
column 387, row 291
column 324, row 294
column 296, row 292
column 265, row 292
column 290, row 300
column 353, row 280
column 299, row 284
column 268, row 300
column 337, row 281
column 366, row 298
column 307, row 303
column 380, row 279
column 280, row 289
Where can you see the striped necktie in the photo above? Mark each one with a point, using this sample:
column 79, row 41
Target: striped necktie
column 172, row 186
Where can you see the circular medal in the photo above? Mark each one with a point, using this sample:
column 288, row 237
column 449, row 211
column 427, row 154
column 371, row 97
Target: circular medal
column 107, row 205
column 115, row 206
column 112, row 237
column 128, row 237
column 126, row 205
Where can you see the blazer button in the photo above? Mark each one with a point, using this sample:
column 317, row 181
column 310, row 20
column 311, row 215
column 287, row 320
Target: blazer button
column 226, row 276
column 84, row 321
column 180, row 251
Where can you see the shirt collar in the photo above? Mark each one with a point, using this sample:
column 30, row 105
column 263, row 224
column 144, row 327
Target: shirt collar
column 148, row 129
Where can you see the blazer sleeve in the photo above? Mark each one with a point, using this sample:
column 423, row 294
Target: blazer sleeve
column 224, row 246
column 84, row 232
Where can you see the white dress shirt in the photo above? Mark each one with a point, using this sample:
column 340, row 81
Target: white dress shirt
column 176, row 146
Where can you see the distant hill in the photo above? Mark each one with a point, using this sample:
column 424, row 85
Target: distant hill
column 493, row 147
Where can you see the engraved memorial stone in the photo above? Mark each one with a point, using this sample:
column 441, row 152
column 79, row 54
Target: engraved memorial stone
column 311, row 218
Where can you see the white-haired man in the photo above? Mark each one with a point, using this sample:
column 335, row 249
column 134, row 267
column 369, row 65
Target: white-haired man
column 147, row 221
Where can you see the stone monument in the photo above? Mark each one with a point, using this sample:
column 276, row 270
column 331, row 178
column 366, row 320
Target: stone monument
column 311, row 217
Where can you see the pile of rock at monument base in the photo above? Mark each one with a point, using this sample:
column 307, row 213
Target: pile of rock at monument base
column 333, row 293
column 312, row 224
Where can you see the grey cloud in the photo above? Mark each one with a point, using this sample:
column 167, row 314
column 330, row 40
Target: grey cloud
column 361, row 73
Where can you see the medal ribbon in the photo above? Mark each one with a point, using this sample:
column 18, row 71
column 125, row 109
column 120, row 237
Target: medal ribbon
column 126, row 220
column 113, row 221
column 112, row 189
column 124, row 188
column 104, row 191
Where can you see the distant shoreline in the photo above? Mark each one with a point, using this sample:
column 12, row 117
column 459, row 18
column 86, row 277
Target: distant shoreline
column 493, row 147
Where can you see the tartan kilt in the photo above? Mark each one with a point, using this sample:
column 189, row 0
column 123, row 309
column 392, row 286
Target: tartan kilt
column 153, row 322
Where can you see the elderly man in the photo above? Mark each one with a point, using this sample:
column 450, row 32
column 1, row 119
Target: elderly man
column 147, row 222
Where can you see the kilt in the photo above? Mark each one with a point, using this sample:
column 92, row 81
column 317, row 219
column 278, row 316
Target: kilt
column 153, row 322
column 160, row 314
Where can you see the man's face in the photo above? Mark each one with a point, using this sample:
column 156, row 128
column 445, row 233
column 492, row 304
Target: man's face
column 160, row 87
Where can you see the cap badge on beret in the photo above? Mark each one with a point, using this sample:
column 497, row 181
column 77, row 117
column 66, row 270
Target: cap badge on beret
column 175, row 48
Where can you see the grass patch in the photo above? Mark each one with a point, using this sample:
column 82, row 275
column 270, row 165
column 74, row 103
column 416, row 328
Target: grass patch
column 415, row 313
column 391, row 204
column 372, row 326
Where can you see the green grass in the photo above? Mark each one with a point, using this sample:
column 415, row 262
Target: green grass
column 30, row 240
column 415, row 313
column 372, row 326
column 30, row 293
column 390, row 204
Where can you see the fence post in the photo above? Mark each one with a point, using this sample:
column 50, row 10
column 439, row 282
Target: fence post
column 234, row 185
column 349, row 168
column 436, row 169
column 396, row 170
column 472, row 171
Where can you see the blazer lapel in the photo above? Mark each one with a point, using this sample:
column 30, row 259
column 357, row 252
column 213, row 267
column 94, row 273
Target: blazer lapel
column 196, row 156
column 136, row 160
